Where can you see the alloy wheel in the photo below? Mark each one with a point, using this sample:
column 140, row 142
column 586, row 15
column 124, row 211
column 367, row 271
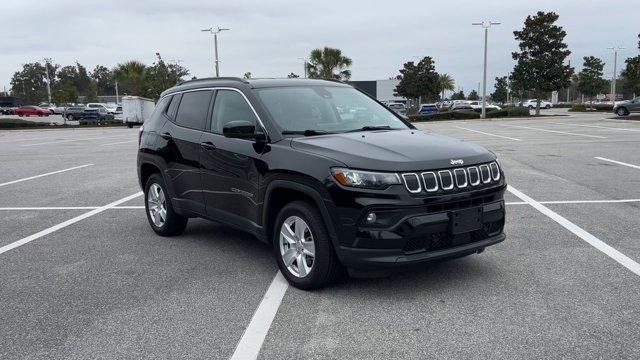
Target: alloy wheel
column 297, row 247
column 157, row 204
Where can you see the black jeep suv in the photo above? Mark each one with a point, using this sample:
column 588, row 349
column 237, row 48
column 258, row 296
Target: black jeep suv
column 326, row 174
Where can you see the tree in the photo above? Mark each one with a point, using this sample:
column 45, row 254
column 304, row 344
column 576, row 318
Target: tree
column 631, row 73
column 64, row 93
column 418, row 81
column 540, row 62
column 103, row 78
column 131, row 77
column 446, row 83
column 458, row 95
column 293, row 76
column 590, row 81
column 247, row 75
column 473, row 95
column 78, row 78
column 160, row 76
column 328, row 63
column 501, row 90
column 30, row 83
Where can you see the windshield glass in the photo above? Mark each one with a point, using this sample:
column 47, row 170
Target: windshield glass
column 325, row 109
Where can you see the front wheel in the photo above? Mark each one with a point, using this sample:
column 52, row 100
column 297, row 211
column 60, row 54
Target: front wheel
column 622, row 112
column 70, row 117
column 302, row 247
column 162, row 218
column 547, row 107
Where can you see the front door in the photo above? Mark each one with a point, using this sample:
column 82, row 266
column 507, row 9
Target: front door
column 230, row 176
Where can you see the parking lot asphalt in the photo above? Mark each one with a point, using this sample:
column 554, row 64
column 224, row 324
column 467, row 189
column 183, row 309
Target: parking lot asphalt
column 82, row 277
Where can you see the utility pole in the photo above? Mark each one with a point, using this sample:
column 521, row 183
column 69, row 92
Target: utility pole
column 568, row 87
column 304, row 63
column 615, row 73
column 117, row 102
column 485, row 25
column 215, row 33
column 46, row 72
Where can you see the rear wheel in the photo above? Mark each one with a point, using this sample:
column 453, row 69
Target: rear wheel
column 547, row 106
column 162, row 218
column 302, row 247
column 622, row 111
column 70, row 117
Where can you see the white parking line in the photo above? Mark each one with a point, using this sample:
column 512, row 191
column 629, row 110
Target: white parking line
column 621, row 258
column 554, row 131
column 485, row 133
column 64, row 224
column 249, row 345
column 46, row 174
column 579, row 202
column 594, row 126
column 120, row 142
column 72, row 140
column 618, row 162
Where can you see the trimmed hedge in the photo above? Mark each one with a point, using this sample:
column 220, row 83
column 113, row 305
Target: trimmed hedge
column 17, row 123
column 446, row 115
column 509, row 112
column 595, row 107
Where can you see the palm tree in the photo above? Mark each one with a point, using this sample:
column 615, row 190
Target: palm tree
column 131, row 77
column 328, row 63
column 446, row 83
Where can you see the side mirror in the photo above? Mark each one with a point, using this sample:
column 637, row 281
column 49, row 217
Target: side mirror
column 241, row 129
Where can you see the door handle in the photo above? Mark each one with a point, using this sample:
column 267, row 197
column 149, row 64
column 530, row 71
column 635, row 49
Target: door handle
column 207, row 144
column 166, row 136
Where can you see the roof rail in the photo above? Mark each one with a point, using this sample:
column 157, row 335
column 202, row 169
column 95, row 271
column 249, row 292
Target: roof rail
column 232, row 78
column 334, row 80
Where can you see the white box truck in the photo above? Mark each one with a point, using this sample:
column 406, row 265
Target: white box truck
column 136, row 110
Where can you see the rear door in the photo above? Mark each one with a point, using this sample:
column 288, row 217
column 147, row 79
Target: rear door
column 181, row 151
column 230, row 176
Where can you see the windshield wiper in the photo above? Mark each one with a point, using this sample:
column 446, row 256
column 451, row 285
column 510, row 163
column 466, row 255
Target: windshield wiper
column 308, row 132
column 372, row 128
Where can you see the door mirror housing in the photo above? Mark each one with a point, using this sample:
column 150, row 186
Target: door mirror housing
column 241, row 129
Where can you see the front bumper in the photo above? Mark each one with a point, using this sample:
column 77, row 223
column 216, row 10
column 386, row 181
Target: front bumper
column 406, row 235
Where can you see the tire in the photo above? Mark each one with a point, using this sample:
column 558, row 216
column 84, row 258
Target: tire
column 530, row 107
column 622, row 111
column 129, row 125
column 70, row 117
column 547, row 107
column 173, row 223
column 325, row 266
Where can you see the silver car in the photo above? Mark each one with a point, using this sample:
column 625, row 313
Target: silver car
column 628, row 107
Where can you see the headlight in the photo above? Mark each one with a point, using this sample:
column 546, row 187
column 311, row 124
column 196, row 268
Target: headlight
column 365, row 179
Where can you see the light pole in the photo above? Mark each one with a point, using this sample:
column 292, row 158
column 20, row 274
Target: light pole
column 46, row 72
column 615, row 71
column 215, row 33
column 485, row 25
column 304, row 62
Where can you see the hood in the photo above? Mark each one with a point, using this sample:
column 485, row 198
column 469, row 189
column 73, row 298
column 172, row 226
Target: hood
column 394, row 150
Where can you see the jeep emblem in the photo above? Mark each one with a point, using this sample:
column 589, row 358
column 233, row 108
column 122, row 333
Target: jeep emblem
column 457, row 161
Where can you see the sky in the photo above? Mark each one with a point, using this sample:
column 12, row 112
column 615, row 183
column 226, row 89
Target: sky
column 268, row 37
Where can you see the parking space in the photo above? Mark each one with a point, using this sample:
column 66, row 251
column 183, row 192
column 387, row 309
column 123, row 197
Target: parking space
column 105, row 286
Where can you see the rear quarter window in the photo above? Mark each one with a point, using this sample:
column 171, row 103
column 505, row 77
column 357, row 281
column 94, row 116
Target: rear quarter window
column 193, row 109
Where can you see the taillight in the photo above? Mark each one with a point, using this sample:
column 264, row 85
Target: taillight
column 140, row 134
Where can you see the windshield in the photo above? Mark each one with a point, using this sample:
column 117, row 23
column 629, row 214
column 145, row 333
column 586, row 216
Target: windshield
column 325, row 109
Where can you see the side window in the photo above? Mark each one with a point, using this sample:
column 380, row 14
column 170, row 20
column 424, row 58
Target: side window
column 230, row 106
column 171, row 110
column 192, row 112
column 161, row 107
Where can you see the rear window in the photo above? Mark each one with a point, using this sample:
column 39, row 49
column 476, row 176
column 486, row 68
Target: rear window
column 193, row 109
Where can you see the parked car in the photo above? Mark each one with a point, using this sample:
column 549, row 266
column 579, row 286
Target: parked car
column 531, row 104
column 426, row 109
column 82, row 113
column 625, row 108
column 58, row 110
column 399, row 108
column 461, row 106
column 31, row 110
column 327, row 191
column 477, row 105
column 106, row 107
column 6, row 110
column 48, row 106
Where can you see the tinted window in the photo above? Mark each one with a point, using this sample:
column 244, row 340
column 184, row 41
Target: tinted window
column 171, row 110
column 192, row 112
column 230, row 106
column 160, row 107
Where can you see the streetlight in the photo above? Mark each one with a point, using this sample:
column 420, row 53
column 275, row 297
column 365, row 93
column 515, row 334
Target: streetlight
column 615, row 71
column 46, row 72
column 485, row 25
column 304, row 62
column 215, row 33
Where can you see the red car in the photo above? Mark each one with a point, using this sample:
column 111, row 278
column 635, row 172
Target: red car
column 31, row 110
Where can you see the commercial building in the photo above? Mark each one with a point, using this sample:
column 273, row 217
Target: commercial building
column 382, row 90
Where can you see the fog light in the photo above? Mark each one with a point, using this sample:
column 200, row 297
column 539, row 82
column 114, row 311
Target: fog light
column 371, row 218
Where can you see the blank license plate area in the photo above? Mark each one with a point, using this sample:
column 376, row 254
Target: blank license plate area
column 464, row 221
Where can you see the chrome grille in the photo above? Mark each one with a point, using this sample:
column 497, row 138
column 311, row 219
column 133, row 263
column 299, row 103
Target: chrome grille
column 452, row 179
